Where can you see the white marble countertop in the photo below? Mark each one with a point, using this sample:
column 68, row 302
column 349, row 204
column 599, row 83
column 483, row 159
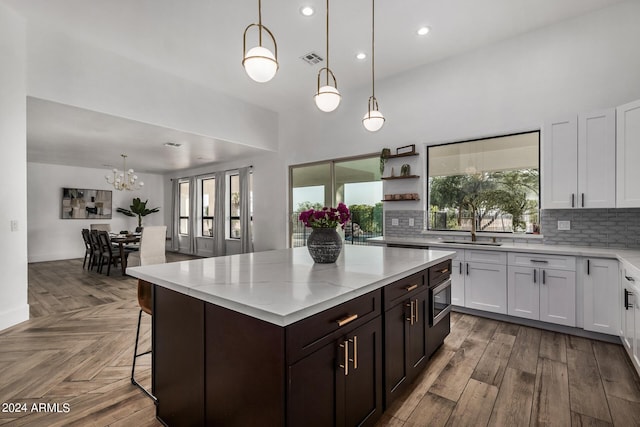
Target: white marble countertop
column 629, row 256
column 284, row 286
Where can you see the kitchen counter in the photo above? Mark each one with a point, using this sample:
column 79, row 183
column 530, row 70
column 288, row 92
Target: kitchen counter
column 630, row 257
column 285, row 286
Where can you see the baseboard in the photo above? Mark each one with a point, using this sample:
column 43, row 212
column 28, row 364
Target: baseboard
column 14, row 316
column 540, row 325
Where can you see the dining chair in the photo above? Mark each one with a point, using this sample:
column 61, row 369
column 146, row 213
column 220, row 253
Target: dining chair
column 100, row 227
column 96, row 260
column 145, row 303
column 108, row 254
column 88, row 249
column 152, row 247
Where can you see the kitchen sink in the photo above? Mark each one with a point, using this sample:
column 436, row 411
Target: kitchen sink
column 462, row 242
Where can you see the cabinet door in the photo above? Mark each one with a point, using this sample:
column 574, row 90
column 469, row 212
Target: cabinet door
column 396, row 334
column 417, row 344
column 627, row 155
column 523, row 285
column 628, row 319
column 457, row 282
column 559, row 164
column 558, row 297
column 636, row 329
column 485, row 287
column 312, row 388
column 601, row 307
column 359, row 403
column 597, row 160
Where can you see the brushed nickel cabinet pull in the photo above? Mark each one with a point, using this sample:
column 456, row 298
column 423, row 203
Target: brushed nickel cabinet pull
column 412, row 287
column 347, row 320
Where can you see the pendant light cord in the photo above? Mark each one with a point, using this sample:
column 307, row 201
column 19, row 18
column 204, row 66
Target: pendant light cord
column 373, row 52
column 328, row 68
column 260, row 22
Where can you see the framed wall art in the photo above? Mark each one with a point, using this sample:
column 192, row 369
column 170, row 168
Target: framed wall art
column 80, row 203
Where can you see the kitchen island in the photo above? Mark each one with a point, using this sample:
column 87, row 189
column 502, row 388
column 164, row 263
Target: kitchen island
column 271, row 338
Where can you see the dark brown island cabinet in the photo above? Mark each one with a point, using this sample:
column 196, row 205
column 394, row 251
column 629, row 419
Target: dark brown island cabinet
column 216, row 367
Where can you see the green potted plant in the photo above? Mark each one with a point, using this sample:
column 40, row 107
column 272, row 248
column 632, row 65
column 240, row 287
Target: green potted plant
column 139, row 209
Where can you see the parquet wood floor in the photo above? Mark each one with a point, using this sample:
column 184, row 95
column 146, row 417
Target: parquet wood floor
column 77, row 347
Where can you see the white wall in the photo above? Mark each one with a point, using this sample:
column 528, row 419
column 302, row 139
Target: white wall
column 50, row 237
column 13, row 172
column 69, row 71
column 584, row 64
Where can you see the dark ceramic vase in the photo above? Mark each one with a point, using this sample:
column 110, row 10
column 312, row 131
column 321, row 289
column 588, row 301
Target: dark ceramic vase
column 324, row 245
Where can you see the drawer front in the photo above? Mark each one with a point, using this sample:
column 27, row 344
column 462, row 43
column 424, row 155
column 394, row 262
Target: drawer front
column 439, row 272
column 310, row 334
column 488, row 257
column 396, row 292
column 557, row 262
column 459, row 256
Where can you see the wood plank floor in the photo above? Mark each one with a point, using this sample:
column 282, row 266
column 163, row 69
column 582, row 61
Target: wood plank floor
column 77, row 347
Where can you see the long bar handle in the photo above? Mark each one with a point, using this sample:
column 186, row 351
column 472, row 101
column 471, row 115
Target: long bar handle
column 355, row 351
column 410, row 318
column 629, row 278
column 346, row 320
column 446, row 270
column 412, row 287
column 467, row 269
column 345, row 366
column 417, row 310
column 535, row 276
column 573, row 198
column 540, row 261
column 588, row 267
column 627, row 306
column 583, row 200
column 544, row 277
column 460, row 267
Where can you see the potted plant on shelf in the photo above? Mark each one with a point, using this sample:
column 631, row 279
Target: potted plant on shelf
column 138, row 208
column 324, row 243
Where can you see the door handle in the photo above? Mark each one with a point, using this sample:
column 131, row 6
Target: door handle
column 544, row 277
column 345, row 366
column 347, row 320
column 412, row 287
column 417, row 310
column 534, row 275
column 583, row 200
column 461, row 268
column 410, row 318
column 355, row 352
column 467, row 269
column 588, row 267
column 573, row 197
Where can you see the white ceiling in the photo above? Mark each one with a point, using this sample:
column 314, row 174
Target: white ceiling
column 201, row 40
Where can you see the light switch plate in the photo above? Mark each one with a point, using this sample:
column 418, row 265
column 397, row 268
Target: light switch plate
column 394, row 221
column 411, row 222
column 564, row 225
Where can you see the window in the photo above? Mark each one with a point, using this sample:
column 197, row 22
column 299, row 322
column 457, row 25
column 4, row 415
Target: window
column 493, row 183
column 208, row 206
column 184, row 207
column 356, row 182
column 234, row 205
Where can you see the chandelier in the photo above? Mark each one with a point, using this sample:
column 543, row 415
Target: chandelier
column 125, row 180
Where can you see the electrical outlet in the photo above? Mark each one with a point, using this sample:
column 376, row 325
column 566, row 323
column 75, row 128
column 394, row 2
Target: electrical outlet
column 411, row 222
column 14, row 225
column 564, row 225
column 394, row 221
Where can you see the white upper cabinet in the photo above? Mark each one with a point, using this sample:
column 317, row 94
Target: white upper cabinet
column 597, row 160
column 579, row 163
column 628, row 155
column 559, row 163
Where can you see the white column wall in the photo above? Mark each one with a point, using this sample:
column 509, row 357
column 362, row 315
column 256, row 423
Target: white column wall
column 14, row 307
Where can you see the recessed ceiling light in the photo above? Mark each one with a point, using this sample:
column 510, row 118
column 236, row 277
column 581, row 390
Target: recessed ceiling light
column 423, row 31
column 172, row 144
column 307, row 10
column 361, row 56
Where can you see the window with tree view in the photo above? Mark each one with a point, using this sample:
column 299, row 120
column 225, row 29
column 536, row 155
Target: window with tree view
column 490, row 184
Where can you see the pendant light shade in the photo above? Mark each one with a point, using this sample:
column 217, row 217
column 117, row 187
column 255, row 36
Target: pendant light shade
column 373, row 120
column 260, row 63
column 327, row 97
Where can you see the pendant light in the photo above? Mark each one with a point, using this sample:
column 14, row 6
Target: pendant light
column 373, row 119
column 327, row 97
column 259, row 62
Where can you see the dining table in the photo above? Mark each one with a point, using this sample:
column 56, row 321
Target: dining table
column 123, row 241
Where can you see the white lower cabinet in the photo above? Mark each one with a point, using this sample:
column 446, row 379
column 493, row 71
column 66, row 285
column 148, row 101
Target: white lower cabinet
column 485, row 283
column 540, row 293
column 599, row 278
column 630, row 314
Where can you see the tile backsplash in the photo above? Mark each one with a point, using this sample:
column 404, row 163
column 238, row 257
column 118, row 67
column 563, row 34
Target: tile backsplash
column 614, row 228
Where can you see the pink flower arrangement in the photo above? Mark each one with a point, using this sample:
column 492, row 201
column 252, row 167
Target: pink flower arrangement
column 326, row 217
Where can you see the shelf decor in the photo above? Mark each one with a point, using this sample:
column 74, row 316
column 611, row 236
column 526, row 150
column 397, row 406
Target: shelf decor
column 407, row 149
column 324, row 243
